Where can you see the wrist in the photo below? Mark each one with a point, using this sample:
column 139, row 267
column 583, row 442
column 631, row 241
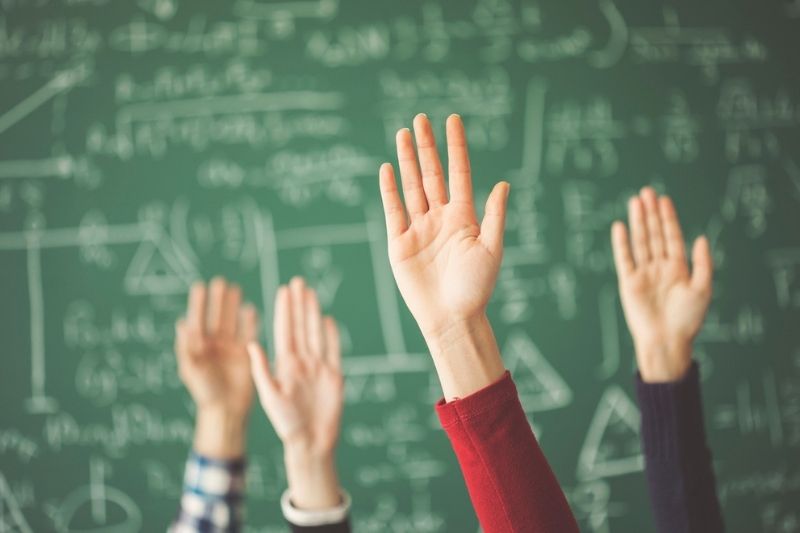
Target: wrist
column 220, row 433
column 661, row 362
column 465, row 354
column 300, row 455
column 312, row 478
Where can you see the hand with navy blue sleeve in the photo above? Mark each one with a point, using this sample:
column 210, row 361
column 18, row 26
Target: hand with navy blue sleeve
column 665, row 304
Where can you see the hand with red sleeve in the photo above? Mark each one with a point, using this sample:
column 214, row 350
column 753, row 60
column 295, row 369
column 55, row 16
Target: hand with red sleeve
column 446, row 264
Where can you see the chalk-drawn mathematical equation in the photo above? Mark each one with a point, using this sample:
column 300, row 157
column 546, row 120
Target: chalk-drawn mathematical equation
column 193, row 141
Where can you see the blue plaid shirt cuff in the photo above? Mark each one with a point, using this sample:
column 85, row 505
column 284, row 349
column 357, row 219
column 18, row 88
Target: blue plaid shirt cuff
column 213, row 496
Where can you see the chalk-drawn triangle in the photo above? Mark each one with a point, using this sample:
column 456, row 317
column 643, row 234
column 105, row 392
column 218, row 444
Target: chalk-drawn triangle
column 540, row 387
column 612, row 446
column 11, row 518
column 156, row 269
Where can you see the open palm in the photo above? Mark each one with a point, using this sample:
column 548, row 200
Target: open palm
column 303, row 397
column 664, row 303
column 445, row 264
column 211, row 346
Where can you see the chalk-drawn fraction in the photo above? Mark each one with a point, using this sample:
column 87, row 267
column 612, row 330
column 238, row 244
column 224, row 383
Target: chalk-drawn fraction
column 785, row 266
column 763, row 407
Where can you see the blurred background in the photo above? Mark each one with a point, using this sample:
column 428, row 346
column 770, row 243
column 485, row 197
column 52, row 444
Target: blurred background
column 149, row 143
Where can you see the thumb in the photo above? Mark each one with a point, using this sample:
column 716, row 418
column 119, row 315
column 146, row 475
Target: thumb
column 702, row 265
column 259, row 369
column 494, row 217
column 180, row 338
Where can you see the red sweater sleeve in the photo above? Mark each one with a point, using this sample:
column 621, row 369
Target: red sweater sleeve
column 509, row 481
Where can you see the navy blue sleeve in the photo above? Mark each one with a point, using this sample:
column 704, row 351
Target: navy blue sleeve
column 677, row 458
column 341, row 527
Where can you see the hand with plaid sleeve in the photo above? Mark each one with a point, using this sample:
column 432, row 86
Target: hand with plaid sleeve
column 210, row 345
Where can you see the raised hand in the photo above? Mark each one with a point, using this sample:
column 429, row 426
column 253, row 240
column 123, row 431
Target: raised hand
column 444, row 262
column 211, row 346
column 304, row 394
column 664, row 303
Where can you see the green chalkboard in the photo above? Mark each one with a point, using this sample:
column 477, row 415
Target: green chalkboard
column 147, row 144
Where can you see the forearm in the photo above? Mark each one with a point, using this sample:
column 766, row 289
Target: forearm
column 465, row 355
column 507, row 476
column 510, row 483
column 677, row 459
column 313, row 482
column 220, row 434
column 314, row 502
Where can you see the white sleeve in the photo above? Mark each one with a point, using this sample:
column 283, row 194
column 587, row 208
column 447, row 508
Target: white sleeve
column 317, row 517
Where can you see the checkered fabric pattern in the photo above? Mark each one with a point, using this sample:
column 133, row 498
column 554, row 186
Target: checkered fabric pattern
column 213, row 496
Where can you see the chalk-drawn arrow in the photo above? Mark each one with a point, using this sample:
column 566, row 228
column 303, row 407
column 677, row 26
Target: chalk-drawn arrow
column 61, row 82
